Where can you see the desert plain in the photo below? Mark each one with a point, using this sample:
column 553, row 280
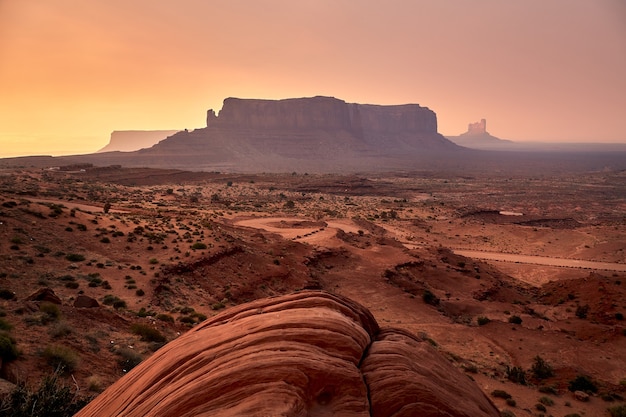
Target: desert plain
column 494, row 271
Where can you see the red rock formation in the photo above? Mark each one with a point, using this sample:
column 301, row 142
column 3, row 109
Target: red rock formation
column 294, row 355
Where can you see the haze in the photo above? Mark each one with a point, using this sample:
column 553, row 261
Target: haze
column 71, row 71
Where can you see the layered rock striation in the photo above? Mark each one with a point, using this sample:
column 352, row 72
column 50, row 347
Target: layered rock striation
column 306, row 354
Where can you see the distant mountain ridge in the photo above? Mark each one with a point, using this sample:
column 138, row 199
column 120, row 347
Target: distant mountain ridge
column 133, row 140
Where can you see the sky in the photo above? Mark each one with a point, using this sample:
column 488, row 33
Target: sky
column 73, row 71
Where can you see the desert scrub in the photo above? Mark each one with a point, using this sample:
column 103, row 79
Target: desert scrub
column 61, row 357
column 515, row 320
column 546, row 401
column 482, row 320
column 147, row 333
column 582, row 383
column 5, row 325
column 429, row 298
column 541, row 369
column 75, row 257
column 60, row 329
column 198, row 246
column 52, row 311
column 7, row 294
column 498, row 393
column 8, row 348
column 128, row 359
column 51, row 399
column 165, row 317
column 618, row 410
column 516, row 374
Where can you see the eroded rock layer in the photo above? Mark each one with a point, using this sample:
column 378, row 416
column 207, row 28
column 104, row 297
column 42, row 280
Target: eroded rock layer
column 294, row 355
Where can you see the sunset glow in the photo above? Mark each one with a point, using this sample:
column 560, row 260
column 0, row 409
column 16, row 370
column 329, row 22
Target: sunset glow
column 72, row 71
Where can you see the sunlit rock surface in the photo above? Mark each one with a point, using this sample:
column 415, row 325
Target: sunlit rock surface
column 306, row 354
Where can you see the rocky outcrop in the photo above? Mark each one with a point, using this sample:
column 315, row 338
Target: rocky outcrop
column 306, row 354
column 132, row 140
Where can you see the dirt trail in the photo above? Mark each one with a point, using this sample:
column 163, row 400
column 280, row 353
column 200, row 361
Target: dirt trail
column 542, row 260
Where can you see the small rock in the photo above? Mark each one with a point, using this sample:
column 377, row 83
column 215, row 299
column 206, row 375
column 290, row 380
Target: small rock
column 581, row 396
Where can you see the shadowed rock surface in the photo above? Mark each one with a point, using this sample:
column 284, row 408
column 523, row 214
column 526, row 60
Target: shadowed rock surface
column 306, row 354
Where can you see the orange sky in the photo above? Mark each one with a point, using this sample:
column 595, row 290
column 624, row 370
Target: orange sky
column 72, row 71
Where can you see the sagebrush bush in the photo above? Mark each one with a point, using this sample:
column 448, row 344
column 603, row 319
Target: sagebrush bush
column 75, row 257
column 498, row 393
column 147, row 333
column 51, row 399
column 618, row 410
column 61, row 357
column 541, row 369
column 8, row 348
column 582, row 383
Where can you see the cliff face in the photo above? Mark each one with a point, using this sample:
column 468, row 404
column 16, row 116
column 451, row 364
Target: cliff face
column 306, row 354
column 323, row 113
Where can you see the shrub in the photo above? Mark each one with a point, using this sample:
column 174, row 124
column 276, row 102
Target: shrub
column 582, row 383
column 128, row 359
column 618, row 411
column 506, row 413
column 546, row 401
column 482, row 320
column 8, row 350
column 117, row 304
column 498, row 393
column 5, row 325
column 548, row 389
column 515, row 320
column 619, row 316
column 60, row 329
column 165, row 317
column 61, row 357
column 199, row 246
column 75, row 257
column 516, row 374
column 582, row 311
column 51, row 399
column 154, row 261
column 51, row 310
column 6, row 294
column 541, row 369
column 140, row 293
column 429, row 298
column 540, row 407
column 147, row 333
column 511, row 402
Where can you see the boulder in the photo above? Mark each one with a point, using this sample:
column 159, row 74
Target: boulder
column 306, row 354
column 83, row 301
column 44, row 294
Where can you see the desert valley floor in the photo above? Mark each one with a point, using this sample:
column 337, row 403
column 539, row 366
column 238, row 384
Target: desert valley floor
column 492, row 271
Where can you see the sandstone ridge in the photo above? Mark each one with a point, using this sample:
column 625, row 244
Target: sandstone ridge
column 305, row 354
